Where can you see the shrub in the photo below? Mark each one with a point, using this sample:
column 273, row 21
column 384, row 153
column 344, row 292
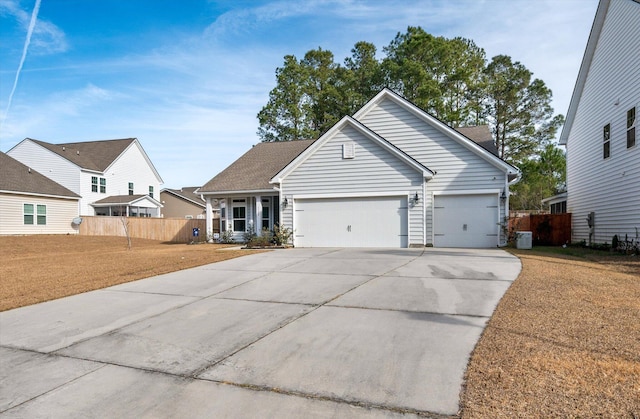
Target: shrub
column 226, row 237
column 281, row 235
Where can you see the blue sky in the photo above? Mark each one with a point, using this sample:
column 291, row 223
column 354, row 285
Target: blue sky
column 187, row 78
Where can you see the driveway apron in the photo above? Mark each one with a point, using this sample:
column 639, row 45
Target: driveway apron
column 313, row 332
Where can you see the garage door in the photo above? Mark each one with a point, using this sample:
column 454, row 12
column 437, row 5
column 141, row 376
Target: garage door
column 466, row 221
column 351, row 222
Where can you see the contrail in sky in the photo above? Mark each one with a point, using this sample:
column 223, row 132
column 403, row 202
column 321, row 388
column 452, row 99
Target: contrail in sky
column 32, row 24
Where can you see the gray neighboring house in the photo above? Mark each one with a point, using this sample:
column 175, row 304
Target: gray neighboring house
column 31, row 203
column 600, row 133
column 390, row 176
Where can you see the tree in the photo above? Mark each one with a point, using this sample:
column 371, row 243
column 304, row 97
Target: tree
column 363, row 76
column 518, row 110
column 322, row 88
column 285, row 117
column 542, row 177
column 442, row 76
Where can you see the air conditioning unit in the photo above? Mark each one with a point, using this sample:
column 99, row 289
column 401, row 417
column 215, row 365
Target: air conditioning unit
column 524, row 239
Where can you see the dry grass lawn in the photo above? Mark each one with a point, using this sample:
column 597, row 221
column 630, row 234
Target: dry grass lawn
column 41, row 268
column 563, row 342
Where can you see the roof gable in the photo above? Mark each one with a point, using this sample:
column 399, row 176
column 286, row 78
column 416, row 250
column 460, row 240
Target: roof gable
column 19, row 178
column 348, row 121
column 254, row 169
column 187, row 194
column 460, row 135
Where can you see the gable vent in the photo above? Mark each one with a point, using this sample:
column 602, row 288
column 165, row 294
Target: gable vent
column 348, row 151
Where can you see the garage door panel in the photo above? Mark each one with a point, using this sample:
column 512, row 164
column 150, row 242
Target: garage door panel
column 351, row 222
column 466, row 221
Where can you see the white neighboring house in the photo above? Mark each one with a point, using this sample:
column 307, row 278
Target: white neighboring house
column 390, row 176
column 600, row 133
column 31, row 203
column 112, row 177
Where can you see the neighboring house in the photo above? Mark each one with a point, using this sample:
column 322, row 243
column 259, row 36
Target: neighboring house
column 600, row 133
column 390, row 176
column 31, row 203
column 557, row 204
column 183, row 203
column 110, row 176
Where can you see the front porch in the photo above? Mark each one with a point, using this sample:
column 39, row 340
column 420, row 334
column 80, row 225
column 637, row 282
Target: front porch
column 240, row 214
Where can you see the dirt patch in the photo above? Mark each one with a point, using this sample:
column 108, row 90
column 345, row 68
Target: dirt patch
column 563, row 342
column 41, row 268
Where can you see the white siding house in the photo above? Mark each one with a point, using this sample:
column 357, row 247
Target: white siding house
column 390, row 176
column 601, row 135
column 101, row 172
column 31, row 203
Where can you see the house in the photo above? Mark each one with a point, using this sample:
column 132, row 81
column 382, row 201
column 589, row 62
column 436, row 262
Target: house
column 557, row 204
column 183, row 203
column 112, row 177
column 603, row 154
column 31, row 203
column 390, row 176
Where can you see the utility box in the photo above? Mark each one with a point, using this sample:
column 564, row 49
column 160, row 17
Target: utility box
column 524, row 239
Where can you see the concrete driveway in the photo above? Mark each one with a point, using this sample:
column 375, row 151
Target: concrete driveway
column 289, row 333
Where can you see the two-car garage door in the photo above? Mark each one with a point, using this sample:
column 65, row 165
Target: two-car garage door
column 458, row 221
column 351, row 222
column 466, row 220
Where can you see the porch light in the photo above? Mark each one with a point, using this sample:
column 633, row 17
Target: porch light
column 285, row 202
column 503, row 196
column 416, row 198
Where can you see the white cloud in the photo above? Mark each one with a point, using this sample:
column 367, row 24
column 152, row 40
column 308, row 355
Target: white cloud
column 47, row 38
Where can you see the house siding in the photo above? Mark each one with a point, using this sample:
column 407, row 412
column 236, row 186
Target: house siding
column 174, row 207
column 60, row 213
column 609, row 187
column 373, row 171
column 458, row 169
column 130, row 166
column 48, row 164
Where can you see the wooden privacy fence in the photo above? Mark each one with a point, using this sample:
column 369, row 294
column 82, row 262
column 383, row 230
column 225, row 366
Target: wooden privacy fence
column 175, row 230
column 546, row 229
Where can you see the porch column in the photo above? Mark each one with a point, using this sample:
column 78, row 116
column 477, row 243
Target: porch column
column 250, row 216
column 258, row 225
column 209, row 219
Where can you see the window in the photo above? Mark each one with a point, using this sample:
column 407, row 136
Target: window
column 606, row 141
column 94, row 183
column 103, row 185
column 266, row 213
column 130, row 188
column 559, row 207
column 28, row 214
column 631, row 127
column 42, row 215
column 239, row 215
column 151, row 191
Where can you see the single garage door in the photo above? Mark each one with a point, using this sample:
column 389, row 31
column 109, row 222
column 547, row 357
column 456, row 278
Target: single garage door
column 351, row 222
column 466, row 220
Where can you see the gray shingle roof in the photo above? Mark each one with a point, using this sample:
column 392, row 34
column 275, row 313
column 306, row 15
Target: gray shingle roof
column 253, row 170
column 481, row 135
column 17, row 177
column 90, row 155
column 119, row 199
